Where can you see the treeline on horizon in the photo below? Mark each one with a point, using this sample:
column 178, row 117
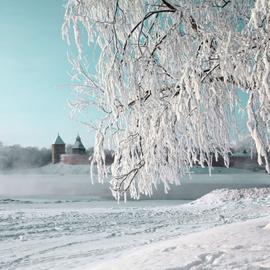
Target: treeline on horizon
column 19, row 157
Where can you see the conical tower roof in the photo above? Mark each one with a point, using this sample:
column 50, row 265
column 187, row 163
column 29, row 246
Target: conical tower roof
column 78, row 143
column 59, row 140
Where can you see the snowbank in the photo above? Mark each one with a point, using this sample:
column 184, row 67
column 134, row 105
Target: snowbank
column 228, row 195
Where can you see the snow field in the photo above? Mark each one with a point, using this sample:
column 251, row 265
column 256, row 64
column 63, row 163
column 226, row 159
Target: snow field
column 222, row 230
column 243, row 245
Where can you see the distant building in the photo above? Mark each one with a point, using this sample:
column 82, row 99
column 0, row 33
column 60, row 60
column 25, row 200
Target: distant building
column 78, row 147
column 58, row 149
column 78, row 155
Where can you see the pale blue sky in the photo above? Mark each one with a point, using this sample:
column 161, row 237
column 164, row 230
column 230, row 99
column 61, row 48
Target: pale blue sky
column 34, row 80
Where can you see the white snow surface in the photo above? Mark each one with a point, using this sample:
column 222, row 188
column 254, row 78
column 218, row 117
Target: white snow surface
column 225, row 229
column 243, row 245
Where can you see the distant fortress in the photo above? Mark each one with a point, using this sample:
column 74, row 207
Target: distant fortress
column 78, row 155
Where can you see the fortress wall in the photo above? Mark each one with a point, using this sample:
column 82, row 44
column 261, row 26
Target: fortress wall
column 75, row 159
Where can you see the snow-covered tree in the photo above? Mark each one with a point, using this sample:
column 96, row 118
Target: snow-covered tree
column 168, row 80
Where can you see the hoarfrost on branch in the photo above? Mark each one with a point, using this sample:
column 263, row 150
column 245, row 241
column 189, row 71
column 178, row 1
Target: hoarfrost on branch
column 167, row 82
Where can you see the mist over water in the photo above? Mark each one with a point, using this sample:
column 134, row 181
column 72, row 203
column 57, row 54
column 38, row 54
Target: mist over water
column 67, row 186
column 52, row 186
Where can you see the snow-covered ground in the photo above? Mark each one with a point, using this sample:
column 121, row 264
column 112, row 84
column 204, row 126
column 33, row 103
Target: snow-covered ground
column 233, row 233
column 222, row 230
column 53, row 218
column 243, row 245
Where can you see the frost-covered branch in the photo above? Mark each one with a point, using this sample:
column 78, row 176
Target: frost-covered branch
column 168, row 81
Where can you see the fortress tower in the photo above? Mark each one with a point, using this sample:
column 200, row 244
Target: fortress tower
column 78, row 147
column 78, row 155
column 58, row 149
